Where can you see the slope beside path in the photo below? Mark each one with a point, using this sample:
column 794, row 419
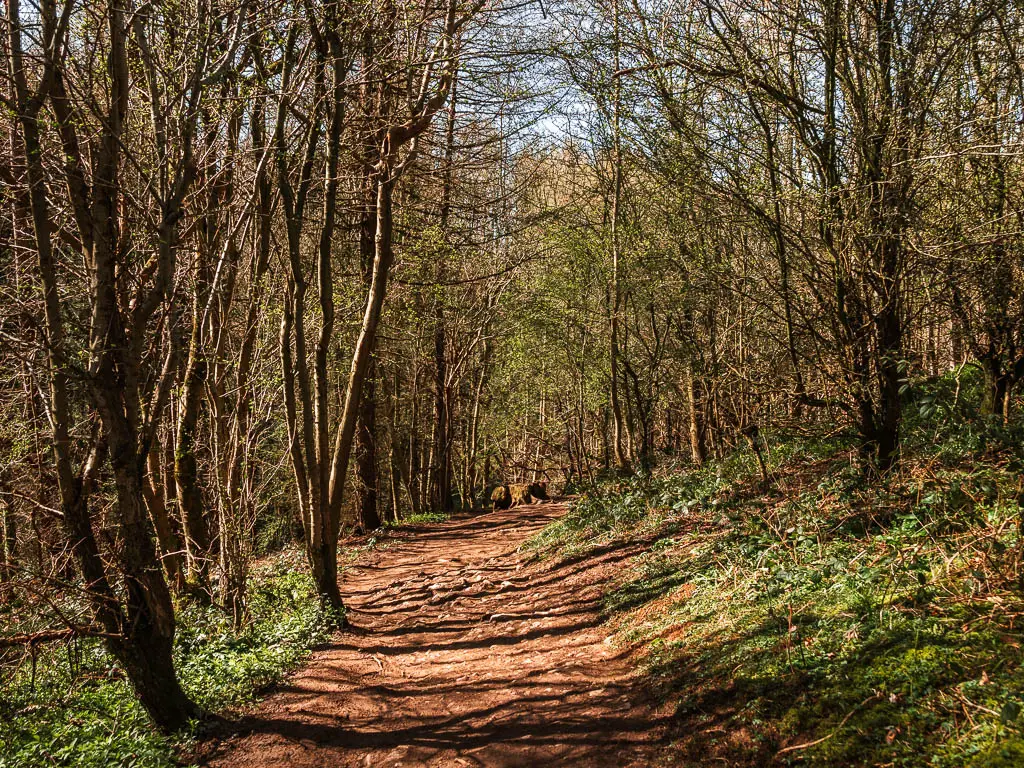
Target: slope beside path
column 462, row 654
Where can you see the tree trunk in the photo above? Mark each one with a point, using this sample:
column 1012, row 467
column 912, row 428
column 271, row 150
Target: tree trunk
column 8, row 546
column 441, row 469
column 186, row 468
column 156, row 501
column 698, row 452
column 367, row 491
column 361, row 360
column 997, row 388
column 473, row 479
column 367, row 482
column 147, row 625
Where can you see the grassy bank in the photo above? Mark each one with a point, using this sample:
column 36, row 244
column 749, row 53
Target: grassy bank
column 827, row 620
column 70, row 706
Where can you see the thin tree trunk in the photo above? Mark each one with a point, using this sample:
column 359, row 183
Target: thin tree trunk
column 366, row 430
column 186, row 468
column 361, row 358
column 365, row 448
column 156, row 501
column 618, row 428
column 8, row 544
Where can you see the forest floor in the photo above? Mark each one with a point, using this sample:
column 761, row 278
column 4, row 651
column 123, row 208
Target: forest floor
column 462, row 651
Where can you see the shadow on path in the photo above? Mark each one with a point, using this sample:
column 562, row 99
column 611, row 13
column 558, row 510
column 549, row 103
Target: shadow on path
column 466, row 654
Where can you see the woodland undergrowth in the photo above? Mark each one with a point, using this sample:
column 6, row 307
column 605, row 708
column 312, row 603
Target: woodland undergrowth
column 68, row 704
column 828, row 618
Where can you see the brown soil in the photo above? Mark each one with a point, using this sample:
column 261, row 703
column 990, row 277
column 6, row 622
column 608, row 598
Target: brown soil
column 462, row 654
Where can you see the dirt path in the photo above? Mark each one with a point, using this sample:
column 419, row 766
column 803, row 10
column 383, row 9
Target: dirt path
column 463, row 656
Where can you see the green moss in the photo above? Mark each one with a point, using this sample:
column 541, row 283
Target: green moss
column 1008, row 754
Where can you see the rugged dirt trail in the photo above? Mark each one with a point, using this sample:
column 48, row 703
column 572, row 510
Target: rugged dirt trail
column 463, row 656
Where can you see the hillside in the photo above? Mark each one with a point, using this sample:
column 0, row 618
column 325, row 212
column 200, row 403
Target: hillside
column 822, row 618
